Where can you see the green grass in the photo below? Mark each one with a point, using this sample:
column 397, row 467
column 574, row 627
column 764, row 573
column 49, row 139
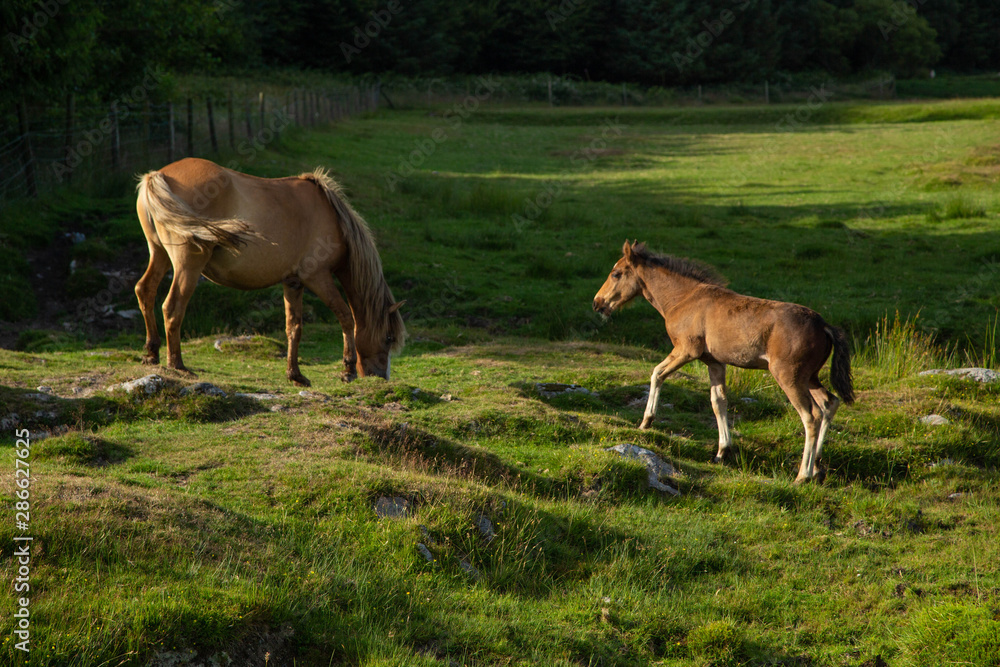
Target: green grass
column 224, row 525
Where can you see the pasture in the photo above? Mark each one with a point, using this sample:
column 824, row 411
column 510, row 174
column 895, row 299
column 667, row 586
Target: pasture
column 184, row 528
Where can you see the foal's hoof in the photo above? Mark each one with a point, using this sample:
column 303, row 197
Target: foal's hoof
column 150, row 360
column 726, row 456
column 348, row 376
column 299, row 380
column 645, row 424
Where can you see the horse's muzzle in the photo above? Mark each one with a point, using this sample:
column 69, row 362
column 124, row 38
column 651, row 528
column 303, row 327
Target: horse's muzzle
column 600, row 306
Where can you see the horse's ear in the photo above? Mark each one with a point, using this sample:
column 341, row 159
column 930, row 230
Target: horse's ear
column 394, row 307
column 627, row 251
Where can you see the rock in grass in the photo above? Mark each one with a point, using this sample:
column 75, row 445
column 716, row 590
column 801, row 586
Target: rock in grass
column 485, row 527
column 425, row 552
column 259, row 397
column 983, row 375
column 934, row 420
column 470, row 570
column 552, row 389
column 148, row 385
column 392, row 508
column 206, row 388
column 656, row 466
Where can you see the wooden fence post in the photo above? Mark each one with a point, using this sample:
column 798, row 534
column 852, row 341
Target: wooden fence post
column 27, row 159
column 68, row 137
column 190, row 128
column 171, row 147
column 211, row 126
column 116, row 143
column 246, row 112
column 767, row 93
column 262, row 103
column 232, row 123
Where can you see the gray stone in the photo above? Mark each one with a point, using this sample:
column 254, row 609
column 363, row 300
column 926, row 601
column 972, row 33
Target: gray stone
column 470, row 569
column 219, row 342
column 205, row 388
column 392, row 508
column 933, row 420
column 485, row 527
column 149, row 385
column 656, row 466
column 978, row 374
column 425, row 552
column 551, row 389
column 258, row 397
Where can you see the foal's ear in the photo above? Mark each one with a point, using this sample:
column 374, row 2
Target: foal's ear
column 394, row 307
column 627, row 251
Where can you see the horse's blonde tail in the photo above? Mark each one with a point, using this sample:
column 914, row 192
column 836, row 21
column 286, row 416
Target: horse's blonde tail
column 167, row 209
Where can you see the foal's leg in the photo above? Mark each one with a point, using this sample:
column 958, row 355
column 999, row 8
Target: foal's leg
column 188, row 265
column 798, row 393
column 321, row 283
column 828, row 404
column 717, row 376
column 674, row 360
column 293, row 330
column 145, row 292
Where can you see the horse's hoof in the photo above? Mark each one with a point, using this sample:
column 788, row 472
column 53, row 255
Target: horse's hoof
column 348, row 377
column 717, row 460
column 645, row 424
column 300, row 380
column 150, row 361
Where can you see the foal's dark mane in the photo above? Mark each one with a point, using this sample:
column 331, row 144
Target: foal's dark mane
column 689, row 268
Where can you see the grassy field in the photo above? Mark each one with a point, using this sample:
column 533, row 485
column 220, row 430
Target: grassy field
column 188, row 529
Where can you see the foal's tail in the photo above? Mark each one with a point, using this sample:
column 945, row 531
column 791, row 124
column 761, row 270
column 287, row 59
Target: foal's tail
column 840, row 368
column 172, row 212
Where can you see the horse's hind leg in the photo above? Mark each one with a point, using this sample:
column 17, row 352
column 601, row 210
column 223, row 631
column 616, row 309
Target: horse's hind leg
column 717, row 376
column 828, row 404
column 293, row 330
column 188, row 266
column 145, row 292
column 798, row 393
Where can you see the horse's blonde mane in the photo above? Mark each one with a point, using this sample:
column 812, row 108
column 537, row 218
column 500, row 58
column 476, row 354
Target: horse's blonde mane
column 364, row 262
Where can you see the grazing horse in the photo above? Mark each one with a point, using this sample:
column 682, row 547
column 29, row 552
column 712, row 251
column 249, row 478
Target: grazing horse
column 249, row 233
column 706, row 321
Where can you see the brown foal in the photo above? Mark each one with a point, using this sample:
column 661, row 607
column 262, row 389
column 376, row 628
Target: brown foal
column 706, row 321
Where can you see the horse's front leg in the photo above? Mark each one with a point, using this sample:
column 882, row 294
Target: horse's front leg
column 293, row 330
column 323, row 286
column 717, row 377
column 674, row 360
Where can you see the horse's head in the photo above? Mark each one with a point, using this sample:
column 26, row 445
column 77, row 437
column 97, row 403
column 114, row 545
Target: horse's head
column 622, row 285
column 375, row 345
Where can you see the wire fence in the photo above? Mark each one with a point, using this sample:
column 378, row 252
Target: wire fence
column 46, row 147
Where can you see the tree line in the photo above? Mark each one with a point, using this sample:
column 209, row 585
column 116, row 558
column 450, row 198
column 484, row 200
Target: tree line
column 104, row 47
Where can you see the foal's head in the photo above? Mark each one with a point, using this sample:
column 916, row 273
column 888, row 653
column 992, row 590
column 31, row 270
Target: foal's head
column 622, row 284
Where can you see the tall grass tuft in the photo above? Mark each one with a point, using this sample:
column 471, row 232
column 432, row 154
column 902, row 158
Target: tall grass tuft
column 987, row 357
column 958, row 207
column 897, row 348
